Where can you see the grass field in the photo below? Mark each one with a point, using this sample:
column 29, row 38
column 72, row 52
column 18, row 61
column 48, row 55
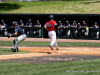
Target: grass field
column 5, row 51
column 34, row 43
column 79, row 67
column 57, row 7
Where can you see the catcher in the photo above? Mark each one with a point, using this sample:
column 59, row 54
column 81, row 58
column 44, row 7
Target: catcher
column 18, row 32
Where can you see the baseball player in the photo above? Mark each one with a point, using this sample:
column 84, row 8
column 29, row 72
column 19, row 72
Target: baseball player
column 95, row 33
column 60, row 25
column 74, row 25
column 38, row 24
column 20, row 33
column 2, row 25
column 67, row 25
column 29, row 24
column 21, row 23
column 79, row 26
column 51, row 27
column 85, row 32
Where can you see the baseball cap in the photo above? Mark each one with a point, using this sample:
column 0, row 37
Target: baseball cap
column 59, row 21
column 95, row 22
column 83, row 21
column 74, row 21
column 2, row 20
column 29, row 19
column 66, row 21
column 37, row 20
column 20, row 20
column 78, row 23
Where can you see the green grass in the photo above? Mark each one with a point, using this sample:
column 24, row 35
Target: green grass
column 34, row 43
column 57, row 7
column 5, row 51
column 52, row 68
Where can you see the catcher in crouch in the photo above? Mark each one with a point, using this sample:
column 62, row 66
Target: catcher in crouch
column 18, row 32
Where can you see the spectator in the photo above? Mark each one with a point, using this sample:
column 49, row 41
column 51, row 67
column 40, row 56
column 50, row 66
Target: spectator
column 2, row 25
column 95, row 33
column 78, row 29
column 74, row 25
column 37, row 31
column 85, row 32
column 67, row 25
column 29, row 24
column 21, row 23
column 60, row 25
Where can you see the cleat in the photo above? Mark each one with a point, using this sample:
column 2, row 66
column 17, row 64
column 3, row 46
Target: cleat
column 57, row 49
column 51, row 47
column 14, row 50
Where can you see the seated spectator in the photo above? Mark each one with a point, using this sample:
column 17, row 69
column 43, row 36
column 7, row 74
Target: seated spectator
column 74, row 25
column 78, row 29
column 95, row 33
column 2, row 25
column 67, row 25
column 29, row 24
column 37, row 31
column 21, row 24
column 85, row 32
column 60, row 25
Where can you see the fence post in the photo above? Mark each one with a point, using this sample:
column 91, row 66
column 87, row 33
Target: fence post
column 81, row 33
column 42, row 31
column 70, row 32
column 60, row 32
column 91, row 33
column 32, row 31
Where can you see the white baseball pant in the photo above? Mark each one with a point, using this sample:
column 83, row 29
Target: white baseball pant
column 52, row 35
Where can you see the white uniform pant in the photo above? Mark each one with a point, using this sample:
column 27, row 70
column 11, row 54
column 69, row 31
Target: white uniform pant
column 21, row 38
column 86, row 33
column 67, row 33
column 96, row 34
column 52, row 35
column 75, row 33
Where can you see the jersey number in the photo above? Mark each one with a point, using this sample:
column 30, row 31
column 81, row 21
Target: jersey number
column 50, row 25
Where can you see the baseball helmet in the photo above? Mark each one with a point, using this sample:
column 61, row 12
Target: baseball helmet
column 15, row 23
column 51, row 17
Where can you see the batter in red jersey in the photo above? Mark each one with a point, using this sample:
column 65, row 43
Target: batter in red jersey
column 51, row 27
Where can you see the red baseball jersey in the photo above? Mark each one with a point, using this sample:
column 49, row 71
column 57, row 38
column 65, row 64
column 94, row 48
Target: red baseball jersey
column 50, row 25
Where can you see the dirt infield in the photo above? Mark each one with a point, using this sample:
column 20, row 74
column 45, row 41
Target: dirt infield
column 46, row 51
column 66, row 50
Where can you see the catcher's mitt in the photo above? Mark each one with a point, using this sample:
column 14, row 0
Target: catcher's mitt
column 8, row 35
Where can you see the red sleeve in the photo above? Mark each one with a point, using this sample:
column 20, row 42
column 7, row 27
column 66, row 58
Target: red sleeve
column 55, row 22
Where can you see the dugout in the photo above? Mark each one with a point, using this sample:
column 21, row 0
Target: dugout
column 43, row 18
